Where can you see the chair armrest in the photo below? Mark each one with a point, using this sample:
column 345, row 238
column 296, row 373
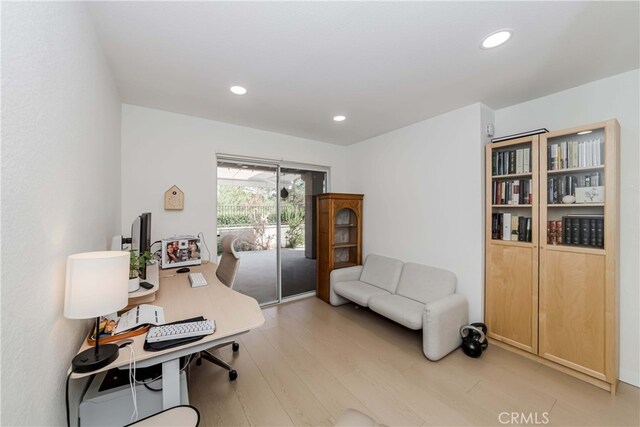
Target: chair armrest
column 441, row 323
column 342, row 275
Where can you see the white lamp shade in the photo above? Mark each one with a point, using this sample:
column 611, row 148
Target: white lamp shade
column 97, row 284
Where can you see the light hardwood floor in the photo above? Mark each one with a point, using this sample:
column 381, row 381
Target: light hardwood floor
column 311, row 361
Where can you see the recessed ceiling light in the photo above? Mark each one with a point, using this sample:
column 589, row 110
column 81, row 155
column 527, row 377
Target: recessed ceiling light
column 339, row 118
column 238, row 90
column 584, row 132
column 496, row 39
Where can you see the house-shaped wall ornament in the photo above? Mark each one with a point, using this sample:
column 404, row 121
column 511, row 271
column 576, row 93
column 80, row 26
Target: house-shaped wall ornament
column 173, row 199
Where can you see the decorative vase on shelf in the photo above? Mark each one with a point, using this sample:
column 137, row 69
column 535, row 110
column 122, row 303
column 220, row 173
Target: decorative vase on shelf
column 134, row 284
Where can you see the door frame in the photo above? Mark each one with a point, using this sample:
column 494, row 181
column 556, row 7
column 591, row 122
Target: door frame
column 278, row 165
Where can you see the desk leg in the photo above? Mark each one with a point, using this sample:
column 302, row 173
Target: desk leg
column 171, row 383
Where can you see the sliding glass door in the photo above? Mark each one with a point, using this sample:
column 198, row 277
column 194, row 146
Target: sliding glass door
column 271, row 208
column 298, row 189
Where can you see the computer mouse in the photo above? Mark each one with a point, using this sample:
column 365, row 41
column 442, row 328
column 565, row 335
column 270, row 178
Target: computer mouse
column 184, row 270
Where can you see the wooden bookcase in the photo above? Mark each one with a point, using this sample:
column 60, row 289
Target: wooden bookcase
column 555, row 299
column 578, row 279
column 339, row 236
column 511, row 274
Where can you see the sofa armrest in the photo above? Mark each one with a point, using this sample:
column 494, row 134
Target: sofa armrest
column 441, row 323
column 342, row 275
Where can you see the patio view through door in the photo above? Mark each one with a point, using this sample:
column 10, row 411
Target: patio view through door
column 271, row 208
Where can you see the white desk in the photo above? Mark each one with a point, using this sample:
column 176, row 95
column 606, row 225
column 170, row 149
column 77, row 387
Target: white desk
column 233, row 312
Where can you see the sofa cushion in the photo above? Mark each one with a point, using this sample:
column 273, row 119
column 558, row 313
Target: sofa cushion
column 382, row 272
column 425, row 284
column 405, row 311
column 357, row 291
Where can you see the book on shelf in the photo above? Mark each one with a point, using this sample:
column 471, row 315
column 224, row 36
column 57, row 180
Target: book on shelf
column 559, row 186
column 506, row 226
column 506, row 162
column 514, row 227
column 575, row 154
column 511, row 192
column 578, row 230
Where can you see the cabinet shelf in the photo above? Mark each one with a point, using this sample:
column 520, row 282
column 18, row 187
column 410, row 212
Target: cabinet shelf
column 575, row 249
column 345, row 225
column 511, row 243
column 344, row 264
column 512, row 175
column 575, row 205
column 344, row 245
column 575, row 170
column 510, row 206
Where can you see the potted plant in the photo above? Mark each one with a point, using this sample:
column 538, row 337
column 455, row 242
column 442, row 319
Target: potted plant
column 136, row 262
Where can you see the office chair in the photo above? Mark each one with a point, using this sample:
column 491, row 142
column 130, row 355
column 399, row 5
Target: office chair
column 226, row 272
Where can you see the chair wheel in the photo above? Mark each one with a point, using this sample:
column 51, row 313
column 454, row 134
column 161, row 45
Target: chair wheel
column 235, row 346
column 233, row 375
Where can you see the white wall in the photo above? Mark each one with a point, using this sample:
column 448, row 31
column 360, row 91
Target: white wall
column 60, row 193
column 161, row 149
column 614, row 97
column 423, row 195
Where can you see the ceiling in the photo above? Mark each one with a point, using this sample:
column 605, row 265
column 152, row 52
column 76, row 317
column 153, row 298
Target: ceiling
column 384, row 65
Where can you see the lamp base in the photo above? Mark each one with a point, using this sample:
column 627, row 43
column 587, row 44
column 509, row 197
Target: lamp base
column 88, row 360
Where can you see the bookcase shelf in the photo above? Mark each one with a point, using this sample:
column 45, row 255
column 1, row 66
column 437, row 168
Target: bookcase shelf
column 575, row 249
column 575, row 170
column 575, row 205
column 555, row 300
column 513, row 175
column 511, row 243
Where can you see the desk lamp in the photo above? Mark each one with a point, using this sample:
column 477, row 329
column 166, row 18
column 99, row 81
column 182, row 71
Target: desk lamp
column 97, row 284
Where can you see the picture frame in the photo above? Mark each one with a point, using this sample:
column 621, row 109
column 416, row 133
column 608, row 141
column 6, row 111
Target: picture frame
column 590, row 194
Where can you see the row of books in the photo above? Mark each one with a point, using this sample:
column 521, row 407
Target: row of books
column 511, row 162
column 575, row 154
column 560, row 186
column 506, row 226
column 515, row 192
column 580, row 230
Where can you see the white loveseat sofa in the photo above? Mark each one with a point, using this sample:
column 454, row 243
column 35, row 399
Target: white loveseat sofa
column 413, row 295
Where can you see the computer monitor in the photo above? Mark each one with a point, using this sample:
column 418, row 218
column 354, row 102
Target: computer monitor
column 141, row 237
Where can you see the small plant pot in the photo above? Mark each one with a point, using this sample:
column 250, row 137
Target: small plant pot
column 134, row 284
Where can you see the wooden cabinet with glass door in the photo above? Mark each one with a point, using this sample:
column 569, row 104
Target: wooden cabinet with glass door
column 579, row 239
column 511, row 270
column 339, row 236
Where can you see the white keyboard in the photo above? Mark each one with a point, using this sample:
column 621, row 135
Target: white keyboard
column 180, row 330
column 197, row 280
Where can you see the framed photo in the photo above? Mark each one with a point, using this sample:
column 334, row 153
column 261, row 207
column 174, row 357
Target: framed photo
column 180, row 252
column 590, row 195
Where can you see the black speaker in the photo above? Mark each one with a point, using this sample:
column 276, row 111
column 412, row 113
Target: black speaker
column 474, row 340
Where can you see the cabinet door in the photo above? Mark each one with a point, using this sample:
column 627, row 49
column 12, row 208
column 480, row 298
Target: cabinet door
column 572, row 309
column 511, row 295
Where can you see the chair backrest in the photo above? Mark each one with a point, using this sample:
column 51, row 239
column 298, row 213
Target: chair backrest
column 229, row 262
